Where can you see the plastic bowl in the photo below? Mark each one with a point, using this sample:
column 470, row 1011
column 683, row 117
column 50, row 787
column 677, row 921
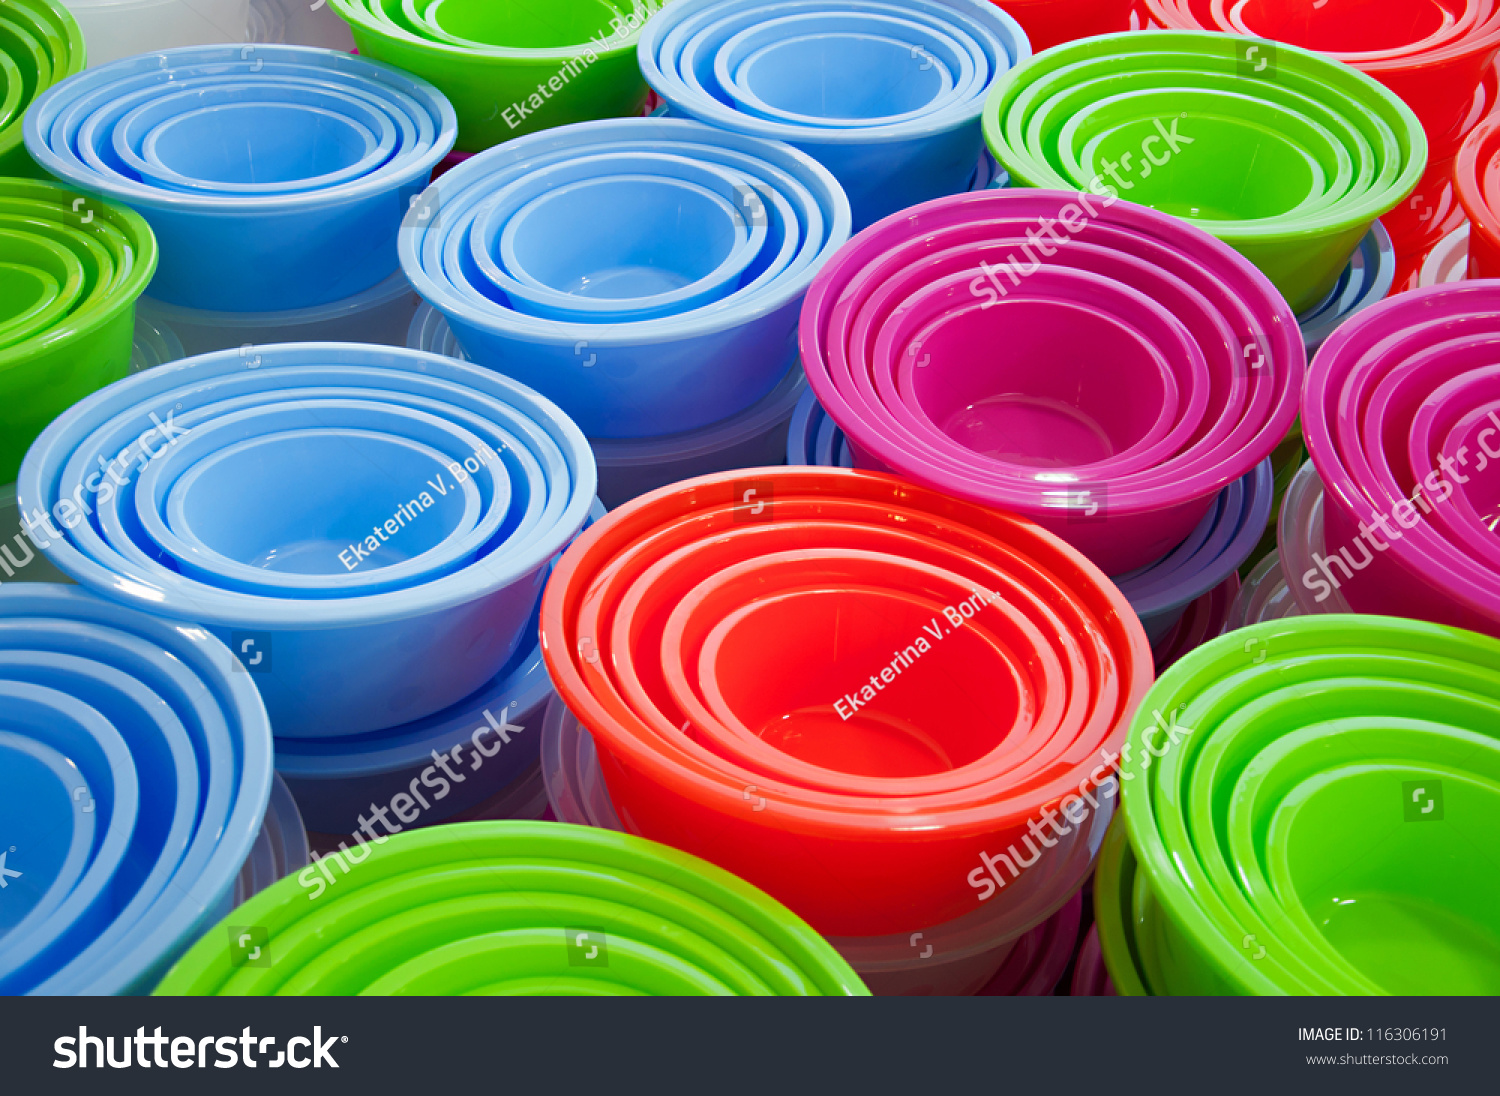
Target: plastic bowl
column 1448, row 261
column 661, row 782
column 466, row 625
column 248, row 252
column 182, row 783
column 639, row 379
column 1303, row 250
column 1433, row 56
column 671, row 924
column 1368, row 279
column 280, row 849
column 44, row 374
column 1049, row 23
column 1301, row 698
column 41, row 46
column 886, row 164
column 580, row 51
column 1121, row 522
column 1474, row 183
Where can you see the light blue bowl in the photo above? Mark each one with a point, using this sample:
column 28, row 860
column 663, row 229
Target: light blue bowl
column 193, row 143
column 233, row 504
column 53, row 835
column 336, row 780
column 238, row 252
column 619, row 238
column 331, row 666
column 648, row 377
column 190, row 746
column 917, row 69
column 882, row 167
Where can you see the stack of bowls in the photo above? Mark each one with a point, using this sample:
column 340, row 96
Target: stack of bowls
column 280, row 849
column 936, row 349
column 1161, row 592
column 1291, row 162
column 700, row 635
column 1317, row 818
column 135, row 769
column 155, row 343
column 473, row 753
column 380, row 315
column 367, row 528
column 40, row 45
column 275, row 177
column 629, row 467
column 1263, row 596
column 644, row 273
column 71, row 268
column 511, row 69
column 1401, row 415
column 1049, row 23
column 956, row 958
column 507, row 908
column 1114, row 918
column 1433, row 55
column 886, row 96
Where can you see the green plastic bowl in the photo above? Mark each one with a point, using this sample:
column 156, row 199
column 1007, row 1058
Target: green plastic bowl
column 43, row 45
column 530, row 67
column 1302, row 249
column 43, row 375
column 1197, row 928
column 1267, row 797
column 517, row 908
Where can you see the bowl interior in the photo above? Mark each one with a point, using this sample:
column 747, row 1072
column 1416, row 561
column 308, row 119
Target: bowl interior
column 38, row 812
column 295, row 502
column 1397, row 890
column 524, row 26
column 1040, row 383
column 1347, row 26
column 624, row 236
column 843, row 76
column 253, row 143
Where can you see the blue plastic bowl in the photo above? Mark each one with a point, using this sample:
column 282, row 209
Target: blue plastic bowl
column 176, row 764
column 234, row 506
column 54, row 837
column 337, row 780
column 224, row 147
column 249, row 252
column 897, row 70
column 1366, row 281
column 619, row 239
column 884, row 166
column 324, row 666
column 647, row 377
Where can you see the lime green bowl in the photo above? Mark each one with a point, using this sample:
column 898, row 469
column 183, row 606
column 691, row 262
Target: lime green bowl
column 526, row 67
column 1248, row 184
column 42, row 45
column 43, row 375
column 1233, row 895
column 507, row 908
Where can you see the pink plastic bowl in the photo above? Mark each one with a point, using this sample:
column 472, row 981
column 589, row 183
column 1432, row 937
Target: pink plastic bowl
column 1241, row 330
column 1364, row 390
